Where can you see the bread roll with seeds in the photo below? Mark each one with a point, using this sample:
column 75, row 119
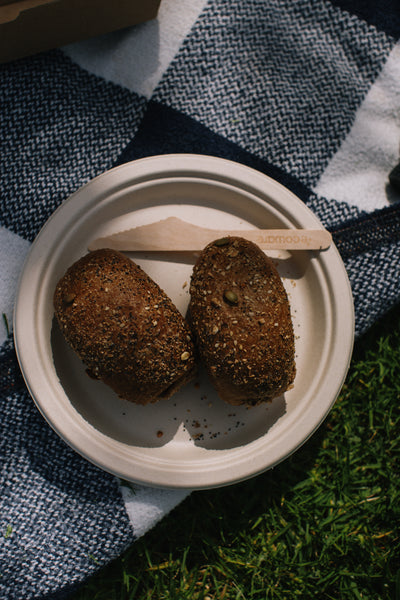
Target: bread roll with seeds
column 124, row 328
column 240, row 316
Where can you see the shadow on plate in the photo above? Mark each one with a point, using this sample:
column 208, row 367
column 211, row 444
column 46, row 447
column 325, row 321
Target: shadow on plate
column 195, row 415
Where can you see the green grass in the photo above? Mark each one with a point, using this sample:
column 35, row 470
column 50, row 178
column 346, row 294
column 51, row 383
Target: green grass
column 323, row 524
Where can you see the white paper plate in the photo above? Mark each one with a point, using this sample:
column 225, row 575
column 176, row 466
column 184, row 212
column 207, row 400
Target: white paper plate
column 193, row 440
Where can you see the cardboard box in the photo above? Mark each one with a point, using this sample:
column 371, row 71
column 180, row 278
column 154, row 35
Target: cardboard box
column 31, row 26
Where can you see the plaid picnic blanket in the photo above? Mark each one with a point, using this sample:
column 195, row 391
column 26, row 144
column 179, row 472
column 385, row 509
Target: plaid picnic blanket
column 305, row 91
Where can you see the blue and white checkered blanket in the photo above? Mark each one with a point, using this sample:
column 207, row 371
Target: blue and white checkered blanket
column 306, row 91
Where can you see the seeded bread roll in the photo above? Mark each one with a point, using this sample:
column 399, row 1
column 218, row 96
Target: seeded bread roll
column 124, row 328
column 240, row 317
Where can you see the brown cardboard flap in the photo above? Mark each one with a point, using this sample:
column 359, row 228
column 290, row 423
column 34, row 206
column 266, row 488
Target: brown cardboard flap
column 31, row 26
column 9, row 11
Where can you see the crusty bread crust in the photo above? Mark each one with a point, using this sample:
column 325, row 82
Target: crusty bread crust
column 124, row 328
column 240, row 316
